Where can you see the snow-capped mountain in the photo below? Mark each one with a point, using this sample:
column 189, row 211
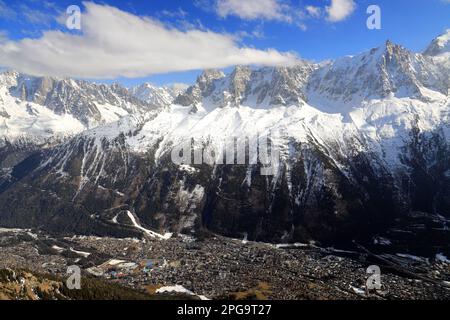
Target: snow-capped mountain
column 384, row 72
column 256, row 88
column 364, row 143
column 40, row 108
column 440, row 45
column 439, row 52
column 158, row 96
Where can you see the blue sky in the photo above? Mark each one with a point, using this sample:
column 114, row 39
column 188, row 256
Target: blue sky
column 412, row 23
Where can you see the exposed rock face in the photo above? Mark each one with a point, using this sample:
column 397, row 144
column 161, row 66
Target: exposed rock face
column 260, row 88
column 164, row 96
column 390, row 70
column 78, row 98
column 42, row 108
column 203, row 88
column 363, row 141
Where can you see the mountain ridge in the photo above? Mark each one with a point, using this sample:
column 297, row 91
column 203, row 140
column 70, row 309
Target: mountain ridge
column 364, row 141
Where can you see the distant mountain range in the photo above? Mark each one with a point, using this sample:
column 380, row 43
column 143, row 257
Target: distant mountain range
column 364, row 143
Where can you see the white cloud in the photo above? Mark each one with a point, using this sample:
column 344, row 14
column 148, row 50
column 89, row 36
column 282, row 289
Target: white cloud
column 340, row 10
column 313, row 11
column 116, row 43
column 34, row 16
column 254, row 9
column 281, row 10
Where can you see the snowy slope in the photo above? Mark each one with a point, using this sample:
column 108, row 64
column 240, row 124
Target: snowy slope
column 41, row 108
column 22, row 119
column 369, row 103
column 382, row 73
column 380, row 125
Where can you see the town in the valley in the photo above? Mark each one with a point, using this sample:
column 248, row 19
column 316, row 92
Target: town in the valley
column 223, row 268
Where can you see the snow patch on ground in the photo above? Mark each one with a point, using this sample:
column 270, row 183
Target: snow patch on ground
column 150, row 233
column 179, row 289
column 81, row 253
column 358, row 291
column 58, row 249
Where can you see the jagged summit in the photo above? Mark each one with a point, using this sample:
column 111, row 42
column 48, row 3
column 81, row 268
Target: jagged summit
column 389, row 70
column 42, row 108
column 158, row 96
column 386, row 71
column 440, row 45
column 249, row 86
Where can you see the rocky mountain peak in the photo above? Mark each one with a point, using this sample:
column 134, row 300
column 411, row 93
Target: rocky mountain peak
column 158, row 96
column 203, row 87
column 253, row 87
column 9, row 78
column 89, row 103
column 209, row 75
column 440, row 45
column 239, row 80
column 389, row 70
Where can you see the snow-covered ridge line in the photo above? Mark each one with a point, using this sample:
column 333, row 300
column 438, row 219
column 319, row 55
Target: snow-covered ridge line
column 374, row 97
column 44, row 109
